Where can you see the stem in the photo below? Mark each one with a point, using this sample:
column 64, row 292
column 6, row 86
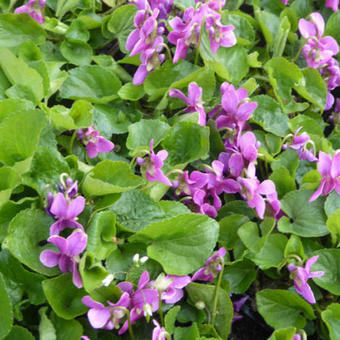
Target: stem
column 160, row 308
column 217, row 287
column 299, row 51
column 199, row 41
column 70, row 147
column 259, row 77
column 132, row 336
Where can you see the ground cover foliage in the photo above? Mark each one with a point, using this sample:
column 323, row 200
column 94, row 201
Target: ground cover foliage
column 169, row 169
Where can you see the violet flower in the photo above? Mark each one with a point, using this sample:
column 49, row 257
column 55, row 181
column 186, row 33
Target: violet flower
column 299, row 144
column 329, row 168
column 107, row 317
column 236, row 107
column 333, row 4
column 158, row 332
column 193, row 101
column 297, row 337
column 66, row 211
column 144, row 301
column 153, row 164
column 93, row 142
column 285, row 2
column 237, row 305
column 301, row 276
column 253, row 191
column 171, row 287
column 67, row 257
column 216, row 5
column 212, row 267
column 34, row 9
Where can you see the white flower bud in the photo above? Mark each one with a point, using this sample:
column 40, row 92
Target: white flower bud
column 106, row 282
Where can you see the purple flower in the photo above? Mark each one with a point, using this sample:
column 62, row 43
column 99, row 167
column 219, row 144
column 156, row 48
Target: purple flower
column 212, row 267
column 171, row 287
column 333, row 4
column 34, row 9
column 285, row 2
column 164, row 6
column 329, row 168
column 216, row 5
column 67, row 257
column 253, row 191
column 153, row 164
column 107, row 317
column 237, row 305
column 144, row 301
column 297, row 337
column 193, row 101
column 66, row 211
column 299, row 144
column 158, row 332
column 236, row 107
column 301, row 276
column 84, row 337
column 93, row 142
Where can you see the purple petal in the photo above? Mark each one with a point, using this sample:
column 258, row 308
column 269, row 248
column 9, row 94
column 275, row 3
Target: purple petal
column 59, row 205
column 76, row 243
column 76, row 279
column 143, row 280
column 59, row 242
column 140, row 75
column 104, row 145
column 306, row 28
column 89, row 302
column 91, row 149
column 49, row 258
column 98, row 317
column 76, row 207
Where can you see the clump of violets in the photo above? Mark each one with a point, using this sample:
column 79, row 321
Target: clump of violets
column 152, row 165
column 147, row 40
column 34, row 9
column 213, row 266
column 93, row 142
column 193, row 101
column 301, row 276
column 319, row 52
column 67, row 257
column 300, row 143
column 187, row 30
column 329, row 168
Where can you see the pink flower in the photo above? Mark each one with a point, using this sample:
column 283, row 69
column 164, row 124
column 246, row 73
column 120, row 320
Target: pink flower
column 333, row 4
column 93, row 142
column 34, row 9
column 158, row 332
column 66, row 258
column 301, row 276
column 193, row 101
column 212, row 267
column 153, row 164
column 329, row 168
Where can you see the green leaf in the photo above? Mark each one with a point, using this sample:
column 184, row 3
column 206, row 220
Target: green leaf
column 309, row 125
column 46, row 328
column 180, row 244
column 281, row 38
column 19, row 333
column 64, row 6
column 313, row 88
column 170, row 319
column 294, row 247
column 331, row 316
column 27, row 82
column 205, row 293
column 14, row 271
column 77, row 52
column 333, row 225
column 27, row 229
column 240, row 275
column 283, row 180
column 283, row 76
column 228, row 230
column 18, row 28
column 186, row 142
column 270, row 25
column 100, row 233
column 332, row 203
column 187, row 333
column 141, row 133
column 6, row 313
column 67, row 329
column 332, row 26
column 283, row 334
column 288, row 159
column 64, row 297
column 109, row 177
column 121, row 23
column 131, row 92
column 229, row 63
column 281, row 308
column 93, row 83
column 92, row 272
column 9, row 179
column 307, row 219
column 19, row 135
column 329, row 263
column 269, row 116
column 78, row 117
column 115, row 118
